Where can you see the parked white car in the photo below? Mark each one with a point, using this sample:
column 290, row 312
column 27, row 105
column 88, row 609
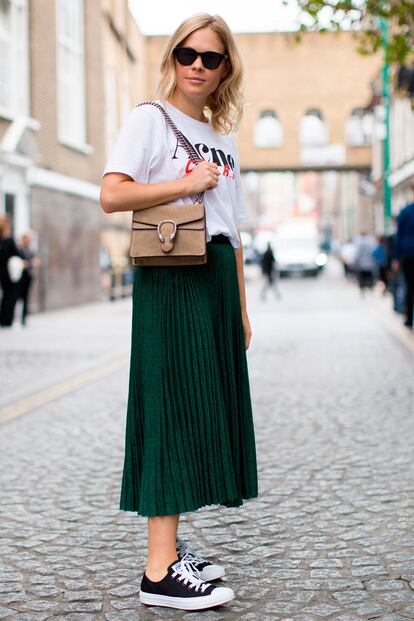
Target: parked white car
column 297, row 248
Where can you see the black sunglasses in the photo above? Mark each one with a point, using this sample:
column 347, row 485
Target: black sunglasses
column 186, row 56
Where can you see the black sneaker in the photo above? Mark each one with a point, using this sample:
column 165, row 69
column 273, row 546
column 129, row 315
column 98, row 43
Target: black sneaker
column 182, row 588
column 208, row 571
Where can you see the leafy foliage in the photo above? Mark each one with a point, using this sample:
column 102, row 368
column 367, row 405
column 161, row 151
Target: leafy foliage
column 364, row 17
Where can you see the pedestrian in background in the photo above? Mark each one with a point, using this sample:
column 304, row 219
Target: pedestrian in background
column 8, row 281
column 364, row 262
column 269, row 271
column 404, row 256
column 347, row 254
column 25, row 283
column 189, row 435
column 396, row 277
column 380, row 254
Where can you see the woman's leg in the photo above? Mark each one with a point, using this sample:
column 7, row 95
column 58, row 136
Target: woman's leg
column 162, row 533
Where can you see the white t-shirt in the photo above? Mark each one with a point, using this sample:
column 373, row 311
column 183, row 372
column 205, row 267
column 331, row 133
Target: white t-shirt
column 147, row 151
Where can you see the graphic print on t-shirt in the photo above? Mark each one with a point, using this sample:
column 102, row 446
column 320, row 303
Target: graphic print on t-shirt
column 224, row 162
column 147, row 151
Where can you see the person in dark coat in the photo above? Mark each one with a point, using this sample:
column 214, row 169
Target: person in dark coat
column 10, row 289
column 380, row 254
column 268, row 263
column 396, row 277
column 404, row 256
column 365, row 265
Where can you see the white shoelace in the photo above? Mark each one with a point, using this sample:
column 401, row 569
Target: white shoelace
column 188, row 575
column 186, row 552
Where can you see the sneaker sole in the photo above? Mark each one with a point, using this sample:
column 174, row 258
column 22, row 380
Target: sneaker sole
column 185, row 603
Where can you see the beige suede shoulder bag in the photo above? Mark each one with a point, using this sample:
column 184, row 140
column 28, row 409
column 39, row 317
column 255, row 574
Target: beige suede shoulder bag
column 170, row 235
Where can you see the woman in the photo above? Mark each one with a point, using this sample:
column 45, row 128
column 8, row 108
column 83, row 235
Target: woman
column 189, row 435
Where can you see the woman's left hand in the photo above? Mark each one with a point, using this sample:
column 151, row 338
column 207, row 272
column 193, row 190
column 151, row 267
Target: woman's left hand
column 247, row 329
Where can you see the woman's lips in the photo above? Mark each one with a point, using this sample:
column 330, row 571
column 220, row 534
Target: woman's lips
column 196, row 80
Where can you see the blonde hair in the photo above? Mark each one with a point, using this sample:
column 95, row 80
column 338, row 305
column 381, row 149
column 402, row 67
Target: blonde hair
column 225, row 105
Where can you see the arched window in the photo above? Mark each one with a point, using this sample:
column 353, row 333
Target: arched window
column 312, row 130
column 358, row 129
column 268, row 130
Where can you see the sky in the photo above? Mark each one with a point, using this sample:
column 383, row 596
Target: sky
column 163, row 16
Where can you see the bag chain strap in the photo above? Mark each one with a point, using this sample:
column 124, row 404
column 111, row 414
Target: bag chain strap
column 185, row 143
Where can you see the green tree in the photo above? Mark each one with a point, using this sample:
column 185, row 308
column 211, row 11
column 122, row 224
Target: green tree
column 364, row 16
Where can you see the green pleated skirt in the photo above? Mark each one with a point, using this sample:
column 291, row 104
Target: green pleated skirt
column 189, row 438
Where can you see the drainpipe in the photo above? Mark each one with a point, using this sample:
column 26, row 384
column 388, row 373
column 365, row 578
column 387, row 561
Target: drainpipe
column 386, row 142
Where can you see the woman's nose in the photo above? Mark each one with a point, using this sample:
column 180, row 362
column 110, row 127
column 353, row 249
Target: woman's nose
column 197, row 64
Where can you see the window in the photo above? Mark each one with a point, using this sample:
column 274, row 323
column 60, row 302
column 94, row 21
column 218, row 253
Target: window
column 358, row 129
column 268, row 130
column 312, row 130
column 14, row 65
column 71, row 72
column 5, row 43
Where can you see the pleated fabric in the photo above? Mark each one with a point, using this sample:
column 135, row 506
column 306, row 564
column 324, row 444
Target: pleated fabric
column 189, row 438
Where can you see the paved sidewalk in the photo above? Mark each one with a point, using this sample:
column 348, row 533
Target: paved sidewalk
column 331, row 536
column 60, row 345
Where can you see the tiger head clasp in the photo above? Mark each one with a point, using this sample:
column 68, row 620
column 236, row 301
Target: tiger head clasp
column 167, row 230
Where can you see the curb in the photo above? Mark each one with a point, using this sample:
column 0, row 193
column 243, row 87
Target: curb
column 392, row 323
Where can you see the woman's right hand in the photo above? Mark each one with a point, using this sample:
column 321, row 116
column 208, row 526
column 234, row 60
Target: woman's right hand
column 204, row 176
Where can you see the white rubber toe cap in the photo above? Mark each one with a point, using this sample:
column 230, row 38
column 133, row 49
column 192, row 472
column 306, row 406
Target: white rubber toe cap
column 212, row 572
column 221, row 595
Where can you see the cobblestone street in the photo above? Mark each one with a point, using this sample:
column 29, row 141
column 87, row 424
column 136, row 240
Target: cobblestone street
column 331, row 536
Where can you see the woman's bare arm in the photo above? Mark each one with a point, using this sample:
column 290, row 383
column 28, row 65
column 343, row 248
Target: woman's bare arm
column 121, row 193
column 242, row 289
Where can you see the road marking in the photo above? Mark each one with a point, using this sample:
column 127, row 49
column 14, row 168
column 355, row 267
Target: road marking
column 46, row 395
column 399, row 331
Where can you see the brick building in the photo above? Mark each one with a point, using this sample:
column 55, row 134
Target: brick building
column 61, row 100
column 123, row 49
column 70, row 71
column 304, row 125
